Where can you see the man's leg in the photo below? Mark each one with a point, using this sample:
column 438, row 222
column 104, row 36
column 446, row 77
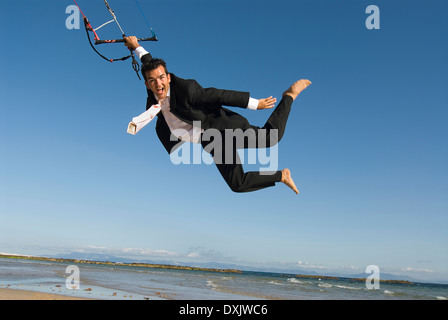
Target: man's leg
column 232, row 171
column 274, row 128
column 240, row 181
column 228, row 162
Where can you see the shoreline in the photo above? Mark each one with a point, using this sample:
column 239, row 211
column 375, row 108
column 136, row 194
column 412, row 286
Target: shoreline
column 57, row 292
column 18, row 294
column 22, row 280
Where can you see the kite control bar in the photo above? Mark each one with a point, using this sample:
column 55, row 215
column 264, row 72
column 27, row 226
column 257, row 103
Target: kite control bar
column 98, row 41
column 89, row 29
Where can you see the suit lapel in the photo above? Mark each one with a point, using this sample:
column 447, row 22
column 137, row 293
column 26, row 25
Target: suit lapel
column 172, row 93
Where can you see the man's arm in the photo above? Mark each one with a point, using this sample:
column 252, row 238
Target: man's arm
column 253, row 104
column 132, row 44
column 227, row 97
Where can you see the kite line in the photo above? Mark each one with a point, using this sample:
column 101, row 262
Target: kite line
column 90, row 29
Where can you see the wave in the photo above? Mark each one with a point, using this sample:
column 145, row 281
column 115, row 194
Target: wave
column 348, row 288
column 275, row 282
column 325, row 285
column 211, row 284
column 294, row 280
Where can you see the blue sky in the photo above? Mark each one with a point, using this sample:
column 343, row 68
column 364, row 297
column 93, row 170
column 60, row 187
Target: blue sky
column 366, row 143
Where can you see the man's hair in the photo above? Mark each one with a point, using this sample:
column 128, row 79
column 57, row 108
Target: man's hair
column 152, row 65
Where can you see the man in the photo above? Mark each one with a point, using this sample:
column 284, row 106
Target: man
column 184, row 103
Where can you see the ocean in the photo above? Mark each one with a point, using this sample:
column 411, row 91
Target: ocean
column 115, row 282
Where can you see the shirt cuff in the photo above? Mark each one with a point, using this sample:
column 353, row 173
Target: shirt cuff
column 140, row 51
column 253, row 104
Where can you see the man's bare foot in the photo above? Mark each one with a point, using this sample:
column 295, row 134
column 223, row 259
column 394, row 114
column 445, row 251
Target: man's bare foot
column 286, row 179
column 297, row 87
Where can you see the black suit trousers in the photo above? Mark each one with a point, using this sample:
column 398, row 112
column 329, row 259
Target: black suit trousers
column 228, row 161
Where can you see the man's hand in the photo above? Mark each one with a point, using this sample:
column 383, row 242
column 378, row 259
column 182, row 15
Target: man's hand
column 266, row 103
column 131, row 43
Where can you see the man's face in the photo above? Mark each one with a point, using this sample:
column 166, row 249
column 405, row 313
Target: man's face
column 158, row 82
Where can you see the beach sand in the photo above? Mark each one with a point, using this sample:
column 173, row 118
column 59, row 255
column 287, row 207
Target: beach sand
column 13, row 294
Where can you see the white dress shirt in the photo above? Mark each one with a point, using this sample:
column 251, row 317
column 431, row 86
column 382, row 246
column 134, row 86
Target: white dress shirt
column 182, row 130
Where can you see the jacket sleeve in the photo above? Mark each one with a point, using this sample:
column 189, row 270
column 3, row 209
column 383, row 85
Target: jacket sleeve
column 146, row 58
column 218, row 97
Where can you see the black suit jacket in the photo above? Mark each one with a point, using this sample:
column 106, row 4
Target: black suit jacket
column 190, row 102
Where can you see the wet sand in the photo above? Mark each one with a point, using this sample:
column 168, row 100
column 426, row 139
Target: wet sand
column 13, row 294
